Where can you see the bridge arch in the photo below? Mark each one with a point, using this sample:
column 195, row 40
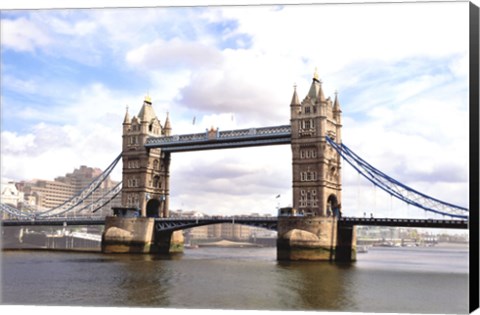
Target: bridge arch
column 153, row 206
column 333, row 207
column 172, row 224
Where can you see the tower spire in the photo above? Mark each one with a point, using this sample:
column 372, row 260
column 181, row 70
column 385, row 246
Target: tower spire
column 126, row 120
column 313, row 92
column 167, row 127
column 320, row 95
column 336, row 103
column 295, row 100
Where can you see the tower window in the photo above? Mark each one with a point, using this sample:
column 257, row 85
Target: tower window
column 308, row 124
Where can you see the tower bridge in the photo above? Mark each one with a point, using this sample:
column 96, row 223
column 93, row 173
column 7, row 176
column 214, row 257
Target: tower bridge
column 312, row 229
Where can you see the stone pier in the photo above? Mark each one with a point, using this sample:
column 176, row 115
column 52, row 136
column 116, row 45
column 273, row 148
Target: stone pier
column 314, row 238
column 138, row 235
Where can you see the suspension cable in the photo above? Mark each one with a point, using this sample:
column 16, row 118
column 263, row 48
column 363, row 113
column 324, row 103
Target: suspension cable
column 395, row 188
column 85, row 193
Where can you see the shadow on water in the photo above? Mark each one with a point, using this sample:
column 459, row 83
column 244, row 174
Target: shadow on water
column 318, row 285
column 143, row 280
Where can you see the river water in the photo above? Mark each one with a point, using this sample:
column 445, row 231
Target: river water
column 399, row 280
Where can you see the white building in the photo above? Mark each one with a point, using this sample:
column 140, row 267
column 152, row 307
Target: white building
column 10, row 194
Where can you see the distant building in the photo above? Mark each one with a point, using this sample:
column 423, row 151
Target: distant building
column 228, row 231
column 10, row 194
column 47, row 194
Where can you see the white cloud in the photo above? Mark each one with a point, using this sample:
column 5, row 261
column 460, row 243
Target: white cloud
column 231, row 181
column 174, row 54
column 23, row 35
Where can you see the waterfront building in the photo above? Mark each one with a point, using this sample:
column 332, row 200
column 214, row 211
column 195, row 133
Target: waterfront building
column 46, row 194
column 228, row 231
column 10, row 194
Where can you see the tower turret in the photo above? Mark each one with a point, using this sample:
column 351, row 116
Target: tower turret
column 167, row 129
column 295, row 106
column 126, row 120
column 320, row 95
column 314, row 88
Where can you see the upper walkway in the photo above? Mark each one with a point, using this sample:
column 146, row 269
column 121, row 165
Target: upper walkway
column 215, row 139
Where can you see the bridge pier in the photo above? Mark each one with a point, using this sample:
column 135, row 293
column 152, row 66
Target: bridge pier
column 138, row 235
column 316, row 239
column 169, row 242
column 346, row 243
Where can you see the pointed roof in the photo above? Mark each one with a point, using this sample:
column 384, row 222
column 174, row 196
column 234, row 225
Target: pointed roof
column 167, row 123
column 146, row 112
column 313, row 92
column 320, row 95
column 126, row 120
column 336, row 103
column 295, row 100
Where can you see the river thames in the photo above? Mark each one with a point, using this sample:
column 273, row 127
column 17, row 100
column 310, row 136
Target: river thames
column 399, row 280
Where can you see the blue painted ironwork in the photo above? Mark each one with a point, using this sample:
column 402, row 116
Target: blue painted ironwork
column 14, row 212
column 395, row 188
column 419, row 223
column 222, row 139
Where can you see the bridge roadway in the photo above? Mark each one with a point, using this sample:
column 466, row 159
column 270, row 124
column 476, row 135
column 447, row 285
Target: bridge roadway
column 172, row 224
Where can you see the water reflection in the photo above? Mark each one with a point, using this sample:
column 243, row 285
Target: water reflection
column 240, row 279
column 318, row 283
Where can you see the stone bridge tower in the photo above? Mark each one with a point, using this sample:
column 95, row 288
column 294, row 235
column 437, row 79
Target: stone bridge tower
column 315, row 164
column 310, row 231
column 145, row 187
column 145, row 171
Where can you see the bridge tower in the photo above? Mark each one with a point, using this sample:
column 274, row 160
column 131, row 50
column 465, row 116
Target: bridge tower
column 145, row 187
column 316, row 166
column 145, row 171
column 310, row 232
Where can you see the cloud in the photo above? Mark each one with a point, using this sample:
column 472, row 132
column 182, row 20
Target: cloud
column 249, row 178
column 23, row 35
column 174, row 54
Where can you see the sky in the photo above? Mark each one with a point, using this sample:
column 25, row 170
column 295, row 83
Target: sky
column 400, row 69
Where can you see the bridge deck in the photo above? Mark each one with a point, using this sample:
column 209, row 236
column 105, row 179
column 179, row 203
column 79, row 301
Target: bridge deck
column 54, row 222
column 265, row 222
column 419, row 223
column 223, row 139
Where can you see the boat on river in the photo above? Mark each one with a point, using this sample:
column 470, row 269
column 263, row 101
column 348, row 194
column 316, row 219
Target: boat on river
column 362, row 249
